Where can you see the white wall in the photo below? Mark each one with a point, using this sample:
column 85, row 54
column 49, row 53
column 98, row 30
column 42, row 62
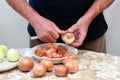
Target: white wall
column 112, row 15
column 13, row 28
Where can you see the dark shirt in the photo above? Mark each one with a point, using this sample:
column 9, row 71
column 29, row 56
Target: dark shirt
column 65, row 13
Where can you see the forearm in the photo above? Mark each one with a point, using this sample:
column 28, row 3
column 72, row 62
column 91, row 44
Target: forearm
column 97, row 7
column 24, row 9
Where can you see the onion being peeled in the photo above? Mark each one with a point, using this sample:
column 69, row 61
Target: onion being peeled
column 68, row 38
column 60, row 70
column 25, row 64
column 39, row 70
column 48, row 63
column 71, row 65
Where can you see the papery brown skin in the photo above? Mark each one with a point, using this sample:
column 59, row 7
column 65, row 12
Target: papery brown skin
column 71, row 65
column 39, row 70
column 48, row 63
column 25, row 64
column 60, row 70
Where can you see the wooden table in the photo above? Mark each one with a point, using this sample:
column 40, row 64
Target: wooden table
column 92, row 66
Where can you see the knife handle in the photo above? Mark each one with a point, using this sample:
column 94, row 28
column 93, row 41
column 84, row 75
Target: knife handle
column 34, row 38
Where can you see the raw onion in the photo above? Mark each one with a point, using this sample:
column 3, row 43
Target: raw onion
column 48, row 63
column 68, row 38
column 60, row 70
column 39, row 70
column 71, row 65
column 25, row 64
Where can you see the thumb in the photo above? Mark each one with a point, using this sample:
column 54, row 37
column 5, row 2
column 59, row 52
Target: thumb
column 72, row 29
column 58, row 30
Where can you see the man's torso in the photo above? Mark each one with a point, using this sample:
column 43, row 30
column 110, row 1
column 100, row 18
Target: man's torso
column 65, row 13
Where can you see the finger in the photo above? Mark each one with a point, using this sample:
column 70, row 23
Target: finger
column 54, row 35
column 76, row 43
column 48, row 38
column 72, row 29
column 57, row 29
column 79, row 40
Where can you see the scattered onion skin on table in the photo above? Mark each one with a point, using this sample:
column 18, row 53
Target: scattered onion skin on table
column 60, row 70
column 25, row 64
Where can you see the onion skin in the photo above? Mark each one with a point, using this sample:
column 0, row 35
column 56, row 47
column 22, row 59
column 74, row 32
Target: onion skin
column 39, row 70
column 25, row 64
column 68, row 38
column 60, row 70
column 71, row 65
column 48, row 63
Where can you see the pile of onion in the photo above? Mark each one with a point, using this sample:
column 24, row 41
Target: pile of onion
column 69, row 66
column 25, row 63
column 41, row 68
column 68, row 37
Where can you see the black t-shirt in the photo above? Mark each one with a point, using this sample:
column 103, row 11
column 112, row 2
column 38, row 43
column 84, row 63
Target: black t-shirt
column 65, row 13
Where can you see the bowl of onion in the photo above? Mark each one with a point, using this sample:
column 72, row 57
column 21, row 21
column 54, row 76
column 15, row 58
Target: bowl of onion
column 54, row 51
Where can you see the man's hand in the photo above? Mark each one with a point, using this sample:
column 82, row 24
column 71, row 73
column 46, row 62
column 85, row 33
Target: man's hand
column 46, row 30
column 81, row 27
column 80, row 31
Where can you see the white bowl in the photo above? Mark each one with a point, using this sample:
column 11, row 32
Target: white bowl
column 55, row 60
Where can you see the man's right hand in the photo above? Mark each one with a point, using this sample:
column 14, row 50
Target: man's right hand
column 46, row 30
